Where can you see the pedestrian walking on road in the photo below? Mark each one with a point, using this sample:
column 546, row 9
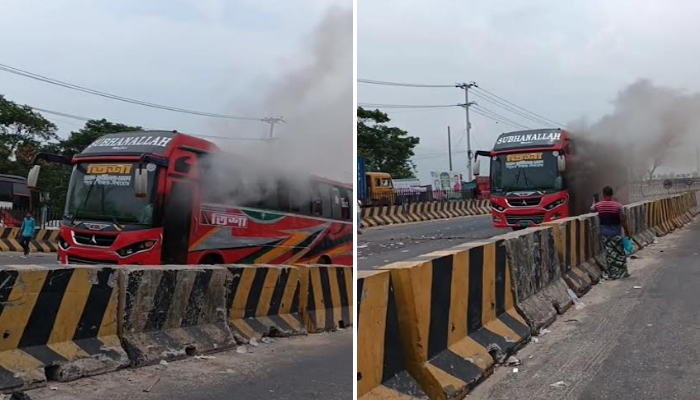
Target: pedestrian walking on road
column 612, row 220
column 27, row 232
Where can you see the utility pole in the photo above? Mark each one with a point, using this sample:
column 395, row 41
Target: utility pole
column 449, row 147
column 467, row 104
column 272, row 121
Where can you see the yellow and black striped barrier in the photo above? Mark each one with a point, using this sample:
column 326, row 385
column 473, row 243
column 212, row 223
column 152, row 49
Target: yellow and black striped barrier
column 570, row 241
column 454, row 307
column 326, row 297
column 263, row 300
column 170, row 312
column 62, row 318
column 402, row 214
column 45, row 240
column 381, row 370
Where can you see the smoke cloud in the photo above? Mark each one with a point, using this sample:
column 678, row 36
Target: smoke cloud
column 316, row 100
column 651, row 129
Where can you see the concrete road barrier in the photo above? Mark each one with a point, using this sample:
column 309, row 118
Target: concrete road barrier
column 389, row 215
column 171, row 312
column 60, row 322
column 326, row 297
column 540, row 290
column 381, row 370
column 263, row 300
column 45, row 240
column 456, row 312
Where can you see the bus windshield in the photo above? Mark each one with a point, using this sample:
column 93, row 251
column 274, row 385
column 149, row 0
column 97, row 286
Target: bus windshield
column 525, row 171
column 105, row 192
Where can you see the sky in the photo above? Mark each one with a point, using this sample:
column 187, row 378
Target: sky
column 565, row 61
column 211, row 55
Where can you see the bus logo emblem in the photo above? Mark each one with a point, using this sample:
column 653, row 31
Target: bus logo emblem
column 231, row 220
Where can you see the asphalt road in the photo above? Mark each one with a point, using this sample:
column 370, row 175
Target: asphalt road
column 386, row 244
column 10, row 258
column 637, row 338
column 313, row 367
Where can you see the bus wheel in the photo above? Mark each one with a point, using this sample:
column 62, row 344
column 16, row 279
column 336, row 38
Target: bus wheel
column 211, row 259
column 324, row 260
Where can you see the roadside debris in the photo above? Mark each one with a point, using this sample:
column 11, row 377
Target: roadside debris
column 513, row 362
column 636, row 287
column 163, row 363
column 515, row 370
column 362, row 246
column 253, row 342
column 267, row 340
column 205, row 357
column 544, row 332
column 150, row 387
column 53, row 387
column 571, row 320
column 534, row 340
column 241, row 350
column 578, row 303
column 560, row 384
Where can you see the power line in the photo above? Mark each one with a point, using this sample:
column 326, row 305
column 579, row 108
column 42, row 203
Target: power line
column 73, row 116
column 485, row 112
column 378, row 105
column 31, row 75
column 505, row 106
column 387, row 83
column 522, row 108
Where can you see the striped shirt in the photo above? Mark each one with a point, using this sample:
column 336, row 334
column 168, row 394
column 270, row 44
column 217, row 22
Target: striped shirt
column 610, row 216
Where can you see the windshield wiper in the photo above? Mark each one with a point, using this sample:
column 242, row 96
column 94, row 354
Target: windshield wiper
column 82, row 206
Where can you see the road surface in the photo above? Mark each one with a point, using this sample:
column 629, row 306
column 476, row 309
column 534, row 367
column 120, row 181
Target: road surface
column 386, row 244
column 637, row 338
column 312, row 367
column 11, row 257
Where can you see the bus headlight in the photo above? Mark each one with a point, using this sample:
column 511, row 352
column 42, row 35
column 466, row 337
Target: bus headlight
column 497, row 207
column 554, row 205
column 136, row 247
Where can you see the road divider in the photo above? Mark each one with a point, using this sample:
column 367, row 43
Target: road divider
column 456, row 314
column 326, row 297
column 381, row 366
column 171, row 312
column 57, row 323
column 401, row 214
column 264, row 301
column 44, row 241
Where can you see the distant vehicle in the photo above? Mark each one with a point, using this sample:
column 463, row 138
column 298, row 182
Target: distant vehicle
column 15, row 200
column 381, row 188
column 156, row 197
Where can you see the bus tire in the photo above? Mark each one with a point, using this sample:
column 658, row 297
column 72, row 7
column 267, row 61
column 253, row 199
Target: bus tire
column 325, row 260
column 211, row 259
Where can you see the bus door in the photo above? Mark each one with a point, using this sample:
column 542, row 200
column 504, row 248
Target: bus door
column 181, row 199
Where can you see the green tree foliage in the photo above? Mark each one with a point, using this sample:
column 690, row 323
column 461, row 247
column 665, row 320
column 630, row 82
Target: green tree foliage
column 93, row 129
column 385, row 148
column 25, row 132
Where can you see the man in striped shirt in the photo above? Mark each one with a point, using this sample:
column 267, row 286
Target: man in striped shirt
column 612, row 220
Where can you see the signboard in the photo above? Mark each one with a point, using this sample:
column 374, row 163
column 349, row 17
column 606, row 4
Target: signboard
column 524, row 160
column 155, row 142
column 533, row 138
column 108, row 174
column 446, row 180
column 405, row 183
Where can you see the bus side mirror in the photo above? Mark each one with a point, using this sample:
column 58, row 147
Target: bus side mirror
column 477, row 167
column 33, row 176
column 561, row 163
column 141, row 183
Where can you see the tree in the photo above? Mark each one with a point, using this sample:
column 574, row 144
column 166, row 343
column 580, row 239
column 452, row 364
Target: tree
column 22, row 132
column 385, row 148
column 93, row 129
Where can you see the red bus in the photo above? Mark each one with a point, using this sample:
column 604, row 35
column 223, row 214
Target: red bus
column 527, row 177
column 544, row 175
column 15, row 200
column 153, row 197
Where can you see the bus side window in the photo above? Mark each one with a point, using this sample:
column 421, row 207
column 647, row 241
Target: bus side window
column 377, row 182
column 6, row 191
column 336, row 204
